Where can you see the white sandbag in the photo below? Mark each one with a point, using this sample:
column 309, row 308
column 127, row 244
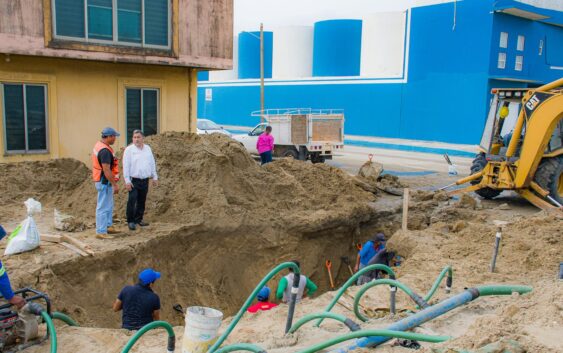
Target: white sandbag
column 26, row 236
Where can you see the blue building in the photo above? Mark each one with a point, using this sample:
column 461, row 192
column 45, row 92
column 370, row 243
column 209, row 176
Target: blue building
column 425, row 73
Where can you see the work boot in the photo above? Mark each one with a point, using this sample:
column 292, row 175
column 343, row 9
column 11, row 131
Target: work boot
column 132, row 226
column 112, row 230
column 143, row 223
column 103, row 236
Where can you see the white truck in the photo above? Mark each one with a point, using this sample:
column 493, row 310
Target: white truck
column 301, row 133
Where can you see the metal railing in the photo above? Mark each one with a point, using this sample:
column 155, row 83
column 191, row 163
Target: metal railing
column 296, row 111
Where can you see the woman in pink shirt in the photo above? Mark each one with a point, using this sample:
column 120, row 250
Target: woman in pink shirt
column 265, row 145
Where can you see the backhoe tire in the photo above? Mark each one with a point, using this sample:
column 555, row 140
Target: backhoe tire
column 478, row 165
column 549, row 176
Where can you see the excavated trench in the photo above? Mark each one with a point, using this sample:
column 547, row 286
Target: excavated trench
column 217, row 268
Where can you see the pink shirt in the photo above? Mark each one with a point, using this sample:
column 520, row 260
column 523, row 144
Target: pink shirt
column 265, row 143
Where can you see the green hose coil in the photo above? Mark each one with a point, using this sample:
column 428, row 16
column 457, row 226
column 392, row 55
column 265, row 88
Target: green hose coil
column 352, row 280
column 249, row 300
column 369, row 333
column 327, row 315
column 64, row 318
column 415, row 297
column 148, row 327
column 50, row 330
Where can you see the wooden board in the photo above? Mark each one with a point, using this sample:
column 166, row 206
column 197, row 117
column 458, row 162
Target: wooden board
column 51, row 238
column 327, row 128
column 299, row 129
column 77, row 243
column 73, row 248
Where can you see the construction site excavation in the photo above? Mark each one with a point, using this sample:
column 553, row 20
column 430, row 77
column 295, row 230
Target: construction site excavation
column 220, row 222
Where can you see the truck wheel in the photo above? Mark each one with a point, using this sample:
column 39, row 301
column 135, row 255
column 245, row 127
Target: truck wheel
column 291, row 154
column 549, row 176
column 478, row 165
column 317, row 158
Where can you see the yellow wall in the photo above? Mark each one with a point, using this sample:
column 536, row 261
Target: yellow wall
column 85, row 96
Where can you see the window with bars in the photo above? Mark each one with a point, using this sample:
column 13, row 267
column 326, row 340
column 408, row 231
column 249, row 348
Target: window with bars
column 519, row 63
column 141, row 111
column 25, row 117
column 144, row 23
column 501, row 64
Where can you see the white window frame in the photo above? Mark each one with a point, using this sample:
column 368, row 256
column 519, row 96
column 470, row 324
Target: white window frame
column 501, row 59
column 503, row 40
column 2, row 101
column 520, row 44
column 519, row 63
column 115, row 33
column 142, row 89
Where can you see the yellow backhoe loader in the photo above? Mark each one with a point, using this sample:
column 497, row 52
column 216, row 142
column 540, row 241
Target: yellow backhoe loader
column 522, row 147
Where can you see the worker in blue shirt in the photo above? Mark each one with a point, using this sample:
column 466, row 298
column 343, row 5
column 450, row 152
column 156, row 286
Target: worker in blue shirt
column 5, row 286
column 369, row 249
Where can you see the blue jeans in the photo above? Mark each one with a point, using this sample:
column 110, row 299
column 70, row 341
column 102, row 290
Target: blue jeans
column 266, row 157
column 104, row 208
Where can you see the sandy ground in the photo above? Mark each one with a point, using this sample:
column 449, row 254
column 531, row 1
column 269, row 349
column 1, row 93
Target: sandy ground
column 190, row 224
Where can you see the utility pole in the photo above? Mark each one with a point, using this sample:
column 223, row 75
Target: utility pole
column 261, row 72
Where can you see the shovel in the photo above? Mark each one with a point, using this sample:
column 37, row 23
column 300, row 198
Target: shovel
column 346, row 261
column 328, row 265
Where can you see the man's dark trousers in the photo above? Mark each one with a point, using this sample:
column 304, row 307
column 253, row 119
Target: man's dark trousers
column 137, row 198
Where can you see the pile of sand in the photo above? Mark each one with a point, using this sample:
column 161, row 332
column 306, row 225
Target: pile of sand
column 212, row 178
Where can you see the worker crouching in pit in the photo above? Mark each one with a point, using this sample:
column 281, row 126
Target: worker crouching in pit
column 139, row 303
column 306, row 286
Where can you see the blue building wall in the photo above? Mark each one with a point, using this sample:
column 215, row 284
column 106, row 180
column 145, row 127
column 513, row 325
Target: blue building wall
column 446, row 95
column 337, row 48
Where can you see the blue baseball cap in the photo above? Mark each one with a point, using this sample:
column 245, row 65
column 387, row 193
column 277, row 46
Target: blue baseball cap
column 109, row 131
column 264, row 294
column 148, row 276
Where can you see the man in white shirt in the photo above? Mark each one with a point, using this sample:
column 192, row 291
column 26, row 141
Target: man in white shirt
column 138, row 167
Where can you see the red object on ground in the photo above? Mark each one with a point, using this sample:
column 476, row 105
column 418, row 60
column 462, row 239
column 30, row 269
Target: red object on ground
column 261, row 306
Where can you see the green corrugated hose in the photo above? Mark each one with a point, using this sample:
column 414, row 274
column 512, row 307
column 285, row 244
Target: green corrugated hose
column 343, row 319
column 447, row 270
column 64, row 318
column 241, row 347
column 148, row 327
column 417, row 299
column 248, row 302
column 369, row 333
column 352, row 280
column 51, row 331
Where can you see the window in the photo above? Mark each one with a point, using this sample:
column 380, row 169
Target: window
column 501, row 60
column 25, row 117
column 144, row 23
column 141, row 111
column 519, row 62
column 520, row 44
column 503, row 40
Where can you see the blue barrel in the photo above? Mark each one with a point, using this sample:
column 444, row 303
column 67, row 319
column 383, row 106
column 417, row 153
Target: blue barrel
column 249, row 54
column 337, row 48
column 203, row 76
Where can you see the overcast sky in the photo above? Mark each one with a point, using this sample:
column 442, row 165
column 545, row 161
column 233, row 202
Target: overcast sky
column 275, row 13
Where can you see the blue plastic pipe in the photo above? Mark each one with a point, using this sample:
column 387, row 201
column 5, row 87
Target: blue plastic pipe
column 433, row 312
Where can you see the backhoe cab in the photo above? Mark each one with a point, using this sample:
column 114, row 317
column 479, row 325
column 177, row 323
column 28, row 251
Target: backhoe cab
column 522, row 147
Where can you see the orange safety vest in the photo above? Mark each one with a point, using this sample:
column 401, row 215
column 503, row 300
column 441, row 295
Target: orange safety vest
column 97, row 167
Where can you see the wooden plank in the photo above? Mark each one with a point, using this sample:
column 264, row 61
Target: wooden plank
column 73, row 248
column 51, row 238
column 77, row 243
column 405, row 209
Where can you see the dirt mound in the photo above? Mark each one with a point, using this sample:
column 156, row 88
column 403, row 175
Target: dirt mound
column 47, row 181
column 212, row 178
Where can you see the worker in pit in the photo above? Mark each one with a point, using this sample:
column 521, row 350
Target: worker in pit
column 265, row 145
column 5, row 285
column 140, row 304
column 368, row 251
column 284, row 286
column 263, row 301
column 383, row 257
column 105, row 173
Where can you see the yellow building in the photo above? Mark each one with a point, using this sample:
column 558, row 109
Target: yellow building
column 69, row 68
